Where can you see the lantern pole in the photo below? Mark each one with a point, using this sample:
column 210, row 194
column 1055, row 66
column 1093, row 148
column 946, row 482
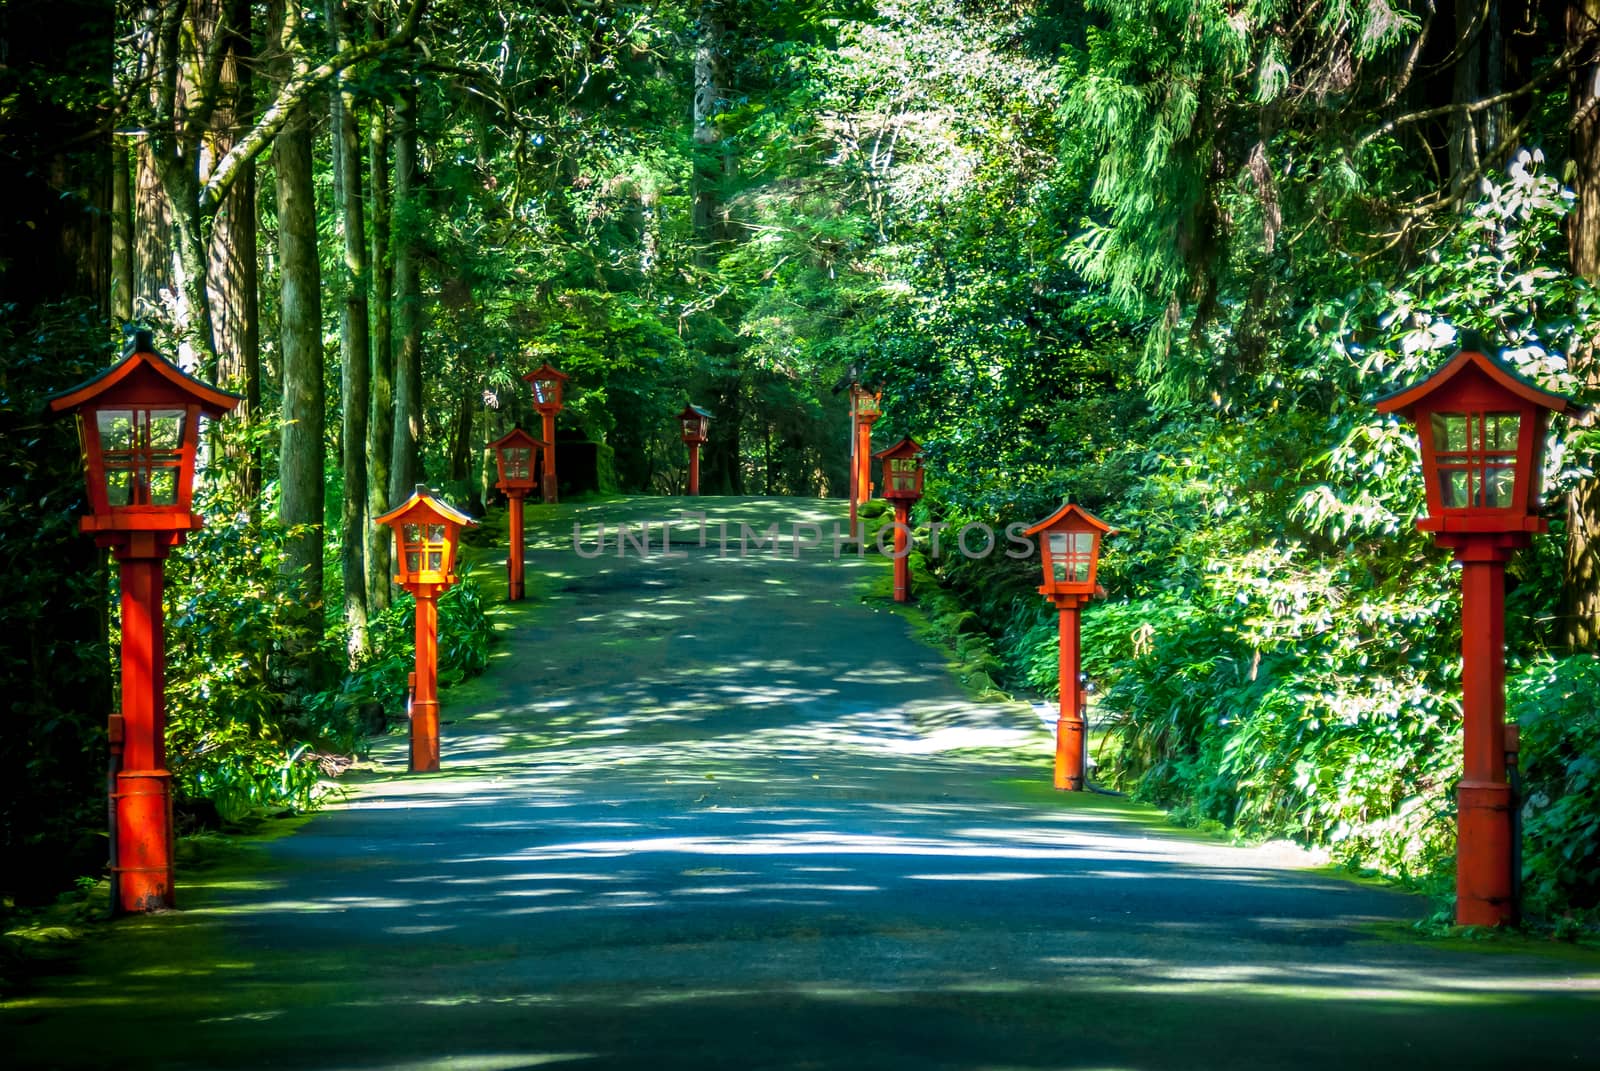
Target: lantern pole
column 1070, row 736
column 514, row 556
column 1484, row 882
column 855, row 463
column 902, row 552
column 548, row 417
column 142, row 872
column 425, row 698
column 863, row 457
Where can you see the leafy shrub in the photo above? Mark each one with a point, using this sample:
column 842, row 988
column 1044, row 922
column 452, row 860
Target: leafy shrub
column 1553, row 702
column 55, row 670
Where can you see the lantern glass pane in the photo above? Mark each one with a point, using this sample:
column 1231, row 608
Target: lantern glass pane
column 1499, row 483
column 1449, row 432
column 435, row 533
column 1071, row 555
column 1455, row 488
column 1500, row 431
column 116, row 429
column 411, row 534
column 166, row 429
column 141, row 452
column 119, row 487
column 413, row 562
column 1476, row 455
column 164, row 487
column 435, row 561
column 541, row 391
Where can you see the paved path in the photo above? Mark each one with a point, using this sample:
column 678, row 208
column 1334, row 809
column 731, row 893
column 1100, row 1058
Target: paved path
column 712, row 813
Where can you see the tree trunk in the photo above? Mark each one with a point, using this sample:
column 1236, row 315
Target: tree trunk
column 192, row 304
column 1581, row 590
column 380, row 428
column 233, row 272
column 121, row 231
column 461, row 441
column 406, row 458
column 353, row 348
column 152, row 230
column 55, row 201
column 711, row 160
column 301, row 452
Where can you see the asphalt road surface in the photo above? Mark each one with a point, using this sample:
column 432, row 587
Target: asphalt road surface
column 717, row 812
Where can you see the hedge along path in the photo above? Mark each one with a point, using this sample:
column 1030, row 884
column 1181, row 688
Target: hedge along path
column 713, row 812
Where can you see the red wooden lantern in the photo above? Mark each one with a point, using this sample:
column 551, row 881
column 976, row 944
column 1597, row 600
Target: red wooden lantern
column 138, row 427
column 902, row 485
column 866, row 406
column 1070, row 547
column 426, row 535
column 695, row 424
column 869, row 402
column 548, row 387
column 513, row 458
column 1481, row 428
column 902, row 471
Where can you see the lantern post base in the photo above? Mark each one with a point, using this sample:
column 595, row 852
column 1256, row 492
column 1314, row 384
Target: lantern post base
column 694, row 470
column 1483, row 855
column 141, row 799
column 1072, row 738
column 142, row 876
column 514, row 553
column 425, row 692
column 902, row 552
column 548, row 484
column 1484, row 883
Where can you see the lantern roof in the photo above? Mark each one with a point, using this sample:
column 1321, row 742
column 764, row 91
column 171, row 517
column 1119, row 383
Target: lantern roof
column 691, row 411
column 546, row 371
column 1468, row 362
column 1072, row 516
column 907, row 447
column 424, row 500
column 517, row 437
column 139, row 371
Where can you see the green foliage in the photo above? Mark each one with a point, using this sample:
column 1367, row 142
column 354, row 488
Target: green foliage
column 54, row 664
column 1552, row 701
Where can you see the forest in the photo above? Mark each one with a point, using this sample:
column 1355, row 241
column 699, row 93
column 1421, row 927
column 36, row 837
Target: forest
column 1158, row 257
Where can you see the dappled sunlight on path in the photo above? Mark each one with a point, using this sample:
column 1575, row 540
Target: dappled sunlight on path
column 712, row 812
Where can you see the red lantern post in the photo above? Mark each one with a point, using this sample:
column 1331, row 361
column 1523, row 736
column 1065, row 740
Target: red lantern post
column 1481, row 428
column 902, row 485
column 868, row 407
column 1070, row 545
column 548, row 387
column 513, row 457
column 696, row 425
column 427, row 533
column 139, row 426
